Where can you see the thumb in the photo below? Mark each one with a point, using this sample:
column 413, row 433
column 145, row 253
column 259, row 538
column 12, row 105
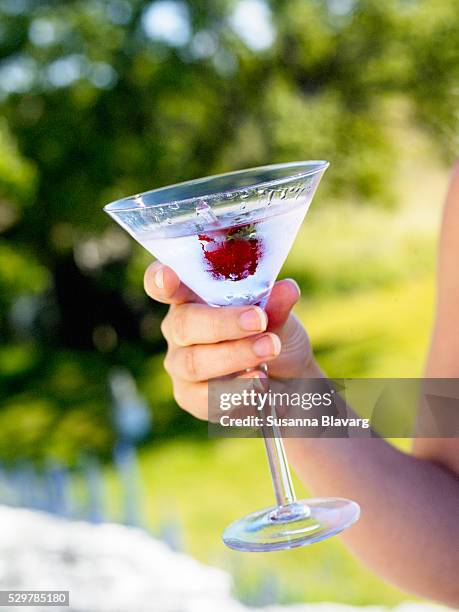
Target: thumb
column 284, row 295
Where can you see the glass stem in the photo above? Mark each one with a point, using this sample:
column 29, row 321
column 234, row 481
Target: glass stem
column 277, row 460
column 280, row 472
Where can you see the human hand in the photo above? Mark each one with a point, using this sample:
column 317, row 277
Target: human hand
column 205, row 342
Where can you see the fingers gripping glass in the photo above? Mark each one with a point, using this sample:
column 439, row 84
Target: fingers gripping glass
column 226, row 237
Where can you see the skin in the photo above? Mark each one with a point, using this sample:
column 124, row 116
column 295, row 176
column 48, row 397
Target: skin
column 408, row 532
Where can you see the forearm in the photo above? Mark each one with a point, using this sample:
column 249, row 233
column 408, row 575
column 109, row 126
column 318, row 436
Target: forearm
column 408, row 531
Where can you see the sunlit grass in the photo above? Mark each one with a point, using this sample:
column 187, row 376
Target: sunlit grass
column 203, row 487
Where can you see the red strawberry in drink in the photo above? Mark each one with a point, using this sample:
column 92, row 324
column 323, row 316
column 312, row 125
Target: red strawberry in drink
column 232, row 253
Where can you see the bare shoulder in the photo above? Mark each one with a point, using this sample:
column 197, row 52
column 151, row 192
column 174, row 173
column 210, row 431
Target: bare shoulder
column 451, row 210
column 443, row 358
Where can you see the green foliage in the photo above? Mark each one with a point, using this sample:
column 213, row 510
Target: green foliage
column 17, row 176
column 94, row 108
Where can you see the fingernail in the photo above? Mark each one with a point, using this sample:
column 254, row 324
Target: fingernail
column 260, row 375
column 159, row 278
column 267, row 346
column 297, row 287
column 253, row 319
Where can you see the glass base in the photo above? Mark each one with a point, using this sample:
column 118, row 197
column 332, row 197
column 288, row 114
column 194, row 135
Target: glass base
column 297, row 524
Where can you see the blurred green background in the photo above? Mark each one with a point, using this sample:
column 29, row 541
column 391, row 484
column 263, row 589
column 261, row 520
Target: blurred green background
column 103, row 98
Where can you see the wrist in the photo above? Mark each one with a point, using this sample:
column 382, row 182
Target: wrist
column 299, row 448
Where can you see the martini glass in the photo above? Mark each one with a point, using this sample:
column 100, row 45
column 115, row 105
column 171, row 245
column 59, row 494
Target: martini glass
column 227, row 237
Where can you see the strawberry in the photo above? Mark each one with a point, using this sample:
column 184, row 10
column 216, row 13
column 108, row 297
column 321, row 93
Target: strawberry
column 232, row 253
